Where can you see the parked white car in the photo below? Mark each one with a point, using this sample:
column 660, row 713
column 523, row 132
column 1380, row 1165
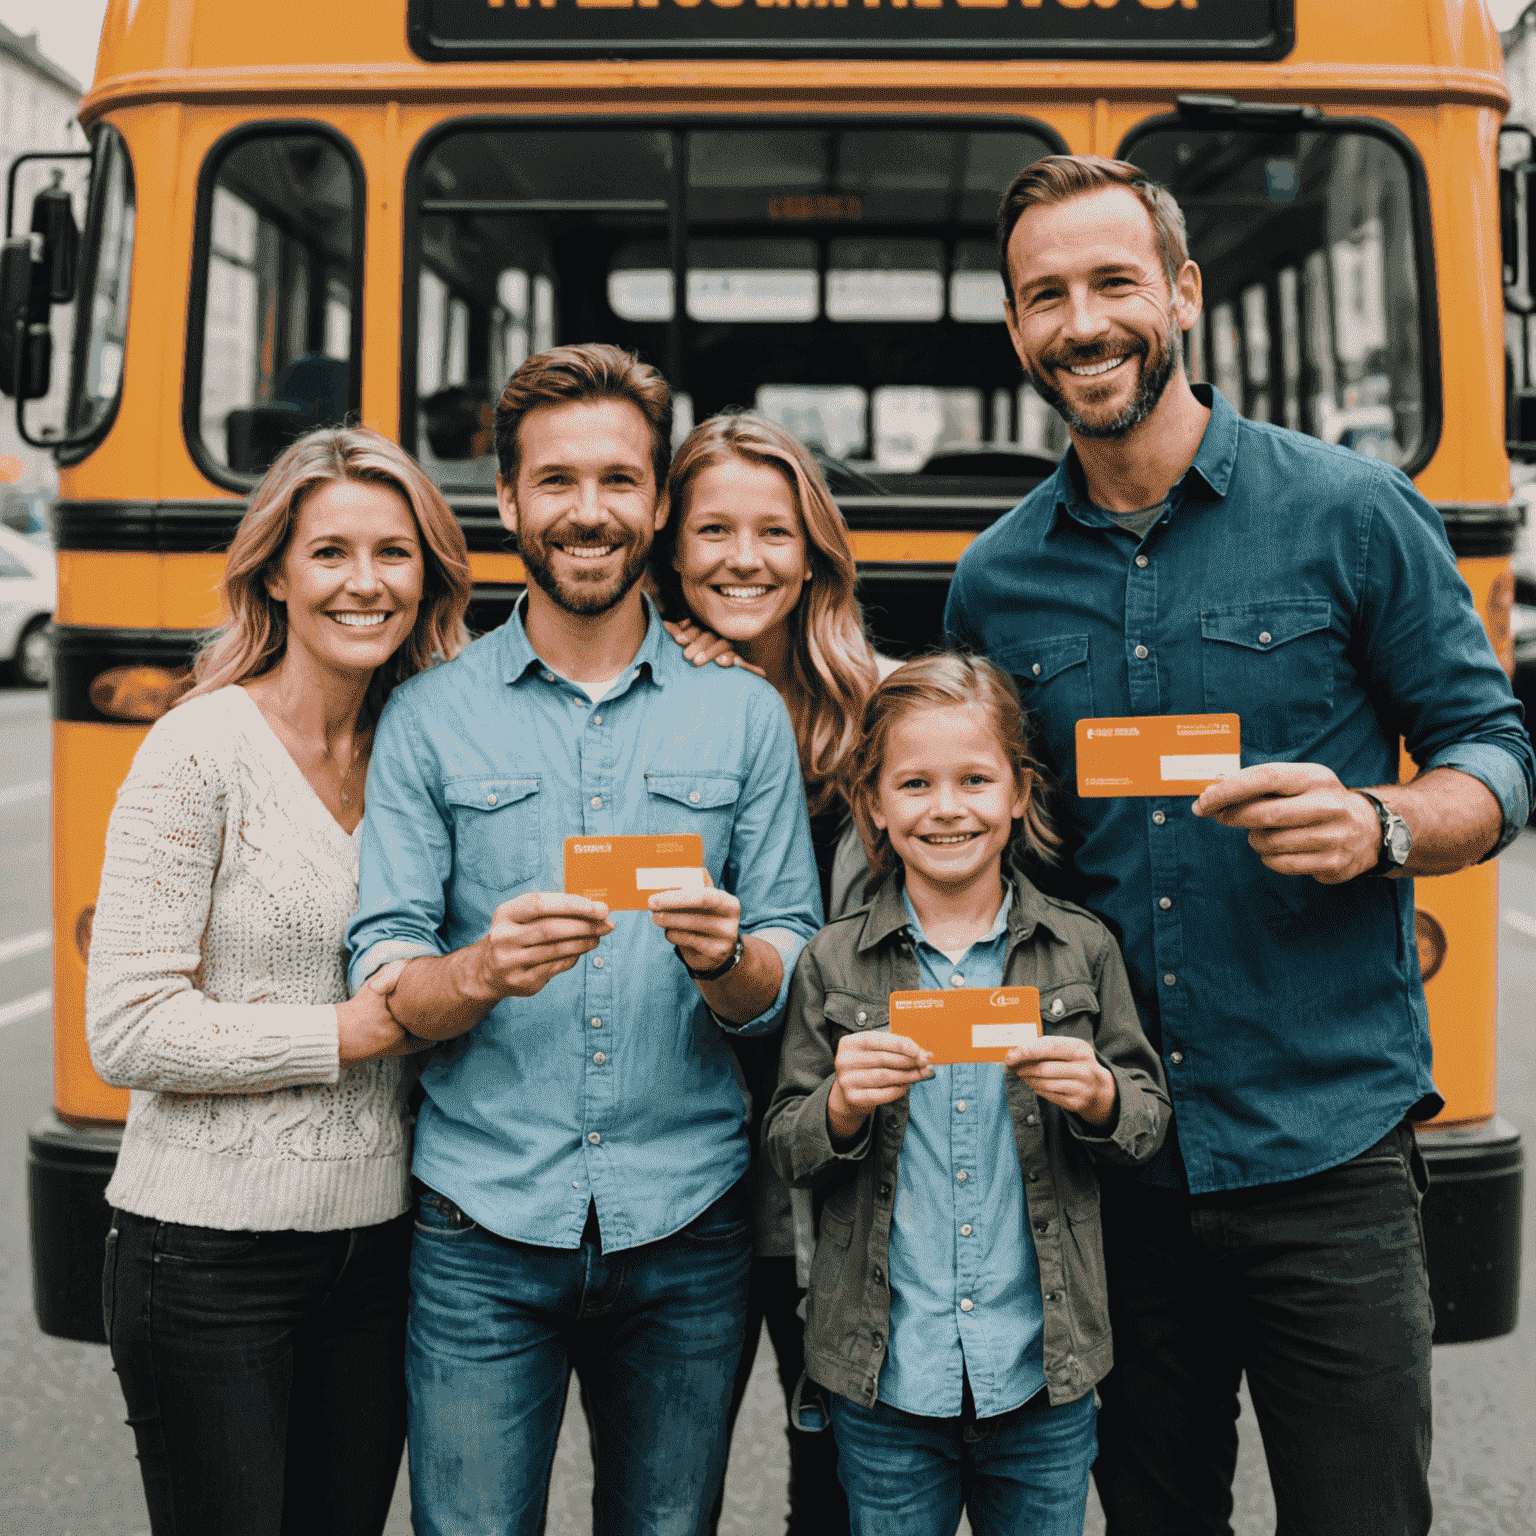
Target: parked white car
column 28, row 591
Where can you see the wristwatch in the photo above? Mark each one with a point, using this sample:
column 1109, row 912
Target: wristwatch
column 1396, row 837
column 719, row 970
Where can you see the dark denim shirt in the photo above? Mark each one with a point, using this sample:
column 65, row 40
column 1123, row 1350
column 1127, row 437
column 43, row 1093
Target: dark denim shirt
column 1312, row 592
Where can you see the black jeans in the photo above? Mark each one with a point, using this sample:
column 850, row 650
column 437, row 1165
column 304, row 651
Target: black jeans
column 817, row 1504
column 1317, row 1289
column 263, row 1373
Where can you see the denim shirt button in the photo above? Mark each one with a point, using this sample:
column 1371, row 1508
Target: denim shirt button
column 1141, row 653
column 1158, row 818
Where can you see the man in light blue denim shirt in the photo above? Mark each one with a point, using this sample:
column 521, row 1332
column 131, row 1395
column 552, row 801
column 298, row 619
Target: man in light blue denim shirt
column 580, row 1147
column 1183, row 560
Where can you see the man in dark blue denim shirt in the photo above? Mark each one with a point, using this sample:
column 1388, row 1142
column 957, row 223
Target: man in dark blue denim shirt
column 1184, row 561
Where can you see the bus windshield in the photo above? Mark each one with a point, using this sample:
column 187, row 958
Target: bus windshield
column 842, row 280
column 1313, row 314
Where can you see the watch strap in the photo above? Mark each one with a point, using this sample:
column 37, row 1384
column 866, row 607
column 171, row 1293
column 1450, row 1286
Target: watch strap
column 720, row 970
column 1384, row 859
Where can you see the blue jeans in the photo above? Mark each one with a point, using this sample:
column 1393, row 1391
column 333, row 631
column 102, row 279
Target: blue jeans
column 1022, row 1472
column 496, row 1326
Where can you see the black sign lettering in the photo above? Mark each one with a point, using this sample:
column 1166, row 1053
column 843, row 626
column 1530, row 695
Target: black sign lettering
column 1122, row 29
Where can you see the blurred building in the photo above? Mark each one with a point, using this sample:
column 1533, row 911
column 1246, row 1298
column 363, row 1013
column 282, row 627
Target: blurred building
column 38, row 103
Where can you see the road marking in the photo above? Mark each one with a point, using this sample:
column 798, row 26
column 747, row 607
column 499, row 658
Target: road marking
column 15, row 794
column 1520, row 922
column 27, row 944
column 26, row 1007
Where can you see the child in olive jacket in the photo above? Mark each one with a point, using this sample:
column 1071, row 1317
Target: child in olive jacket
column 957, row 1306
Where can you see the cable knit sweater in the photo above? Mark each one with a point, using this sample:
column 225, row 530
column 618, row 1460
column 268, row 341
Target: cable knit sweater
column 217, row 953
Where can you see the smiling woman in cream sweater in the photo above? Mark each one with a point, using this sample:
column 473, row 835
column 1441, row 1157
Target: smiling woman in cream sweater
column 254, row 1290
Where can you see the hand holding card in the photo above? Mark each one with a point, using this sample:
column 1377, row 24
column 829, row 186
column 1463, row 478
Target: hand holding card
column 1067, row 1072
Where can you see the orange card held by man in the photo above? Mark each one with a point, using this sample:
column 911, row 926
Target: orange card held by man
column 1141, row 755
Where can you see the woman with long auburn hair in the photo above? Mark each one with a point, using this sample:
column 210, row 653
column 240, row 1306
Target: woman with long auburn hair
column 755, row 552
column 255, row 1284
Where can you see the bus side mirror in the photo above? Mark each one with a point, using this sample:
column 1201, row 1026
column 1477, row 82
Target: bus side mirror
column 26, row 343
column 53, row 217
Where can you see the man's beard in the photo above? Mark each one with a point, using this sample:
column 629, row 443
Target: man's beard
column 586, row 599
column 1157, row 371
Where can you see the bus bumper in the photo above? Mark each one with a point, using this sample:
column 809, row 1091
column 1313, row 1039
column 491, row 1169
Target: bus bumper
column 67, row 1173
column 1472, row 1229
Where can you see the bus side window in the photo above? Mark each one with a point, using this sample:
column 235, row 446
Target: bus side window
column 1311, row 254
column 101, row 319
column 275, row 351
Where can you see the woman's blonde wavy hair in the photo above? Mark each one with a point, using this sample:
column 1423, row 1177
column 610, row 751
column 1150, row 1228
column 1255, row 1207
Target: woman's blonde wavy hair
column 832, row 665
column 943, row 681
column 255, row 635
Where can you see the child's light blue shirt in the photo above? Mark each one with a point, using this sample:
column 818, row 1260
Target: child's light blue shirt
column 965, row 1284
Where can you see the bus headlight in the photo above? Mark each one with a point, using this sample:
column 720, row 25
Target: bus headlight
column 137, row 693
column 1431, row 940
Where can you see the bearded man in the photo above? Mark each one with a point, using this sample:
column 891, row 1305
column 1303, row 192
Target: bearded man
column 1183, row 561
column 580, row 1152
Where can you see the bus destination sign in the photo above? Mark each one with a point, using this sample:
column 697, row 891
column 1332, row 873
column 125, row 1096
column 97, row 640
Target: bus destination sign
column 1123, row 29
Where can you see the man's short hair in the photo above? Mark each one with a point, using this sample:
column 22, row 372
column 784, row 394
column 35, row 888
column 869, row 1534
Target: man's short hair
column 1058, row 178
column 592, row 371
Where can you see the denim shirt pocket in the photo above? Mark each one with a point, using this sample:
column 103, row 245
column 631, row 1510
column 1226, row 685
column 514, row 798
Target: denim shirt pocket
column 1271, row 664
column 693, row 800
column 1055, row 683
column 496, row 842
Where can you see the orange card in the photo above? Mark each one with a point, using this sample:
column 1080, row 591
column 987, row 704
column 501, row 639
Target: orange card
column 626, row 871
column 967, row 1023
column 1156, row 754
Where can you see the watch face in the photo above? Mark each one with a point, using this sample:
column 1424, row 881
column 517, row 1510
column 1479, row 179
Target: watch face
column 1399, row 839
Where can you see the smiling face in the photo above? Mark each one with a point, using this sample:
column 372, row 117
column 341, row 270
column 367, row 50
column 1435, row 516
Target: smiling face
column 742, row 554
column 351, row 576
column 947, row 797
column 583, row 505
column 1091, row 316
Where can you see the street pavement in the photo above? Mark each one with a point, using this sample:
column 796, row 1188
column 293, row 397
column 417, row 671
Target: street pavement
column 66, row 1458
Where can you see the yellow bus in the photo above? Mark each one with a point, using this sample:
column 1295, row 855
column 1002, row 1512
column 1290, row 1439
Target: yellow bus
column 313, row 209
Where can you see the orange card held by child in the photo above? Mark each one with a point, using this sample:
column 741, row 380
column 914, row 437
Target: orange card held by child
column 967, row 1023
column 625, row 872
column 1156, row 754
